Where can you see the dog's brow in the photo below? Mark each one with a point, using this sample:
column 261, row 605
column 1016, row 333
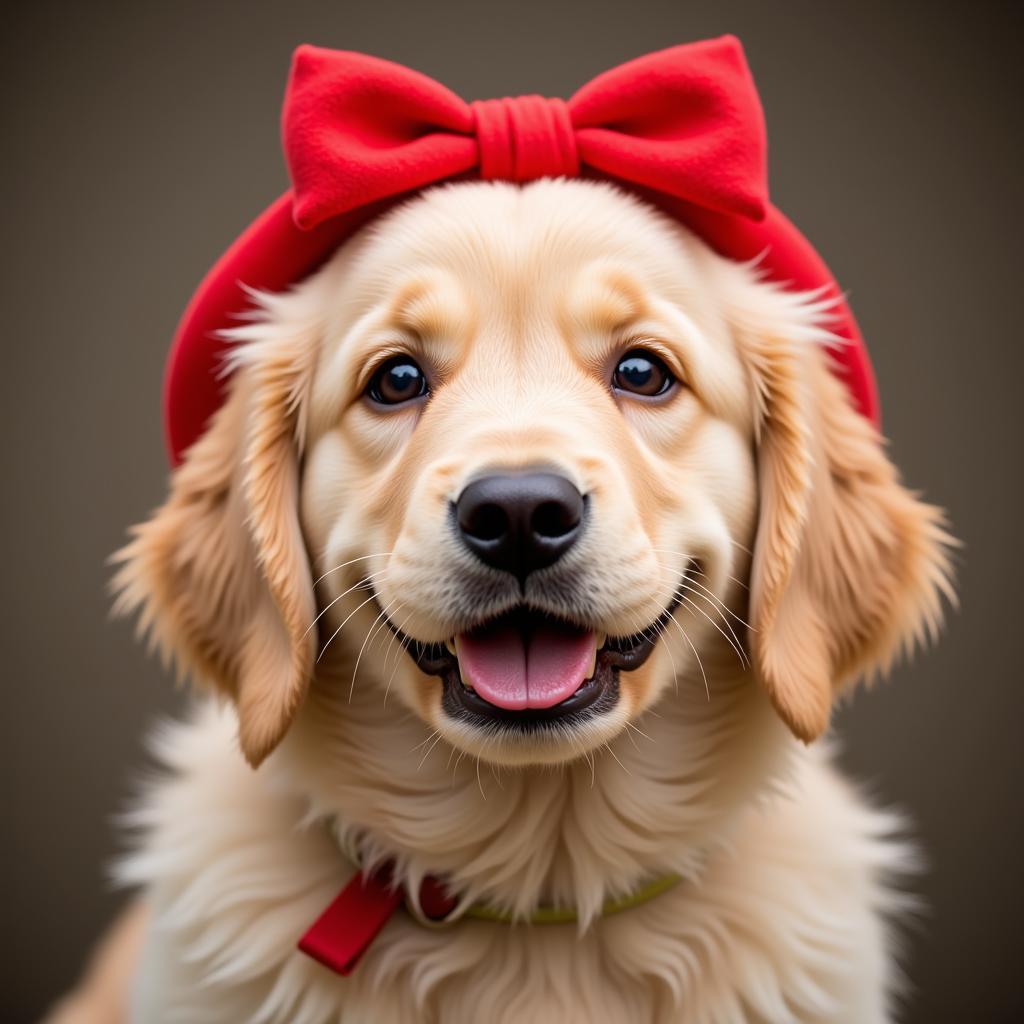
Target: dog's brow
column 605, row 299
column 431, row 307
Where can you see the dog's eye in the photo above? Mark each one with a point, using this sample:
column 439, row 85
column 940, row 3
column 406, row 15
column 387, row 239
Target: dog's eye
column 399, row 380
column 642, row 373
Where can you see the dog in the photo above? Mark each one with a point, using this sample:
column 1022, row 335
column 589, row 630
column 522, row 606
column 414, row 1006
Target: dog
column 530, row 550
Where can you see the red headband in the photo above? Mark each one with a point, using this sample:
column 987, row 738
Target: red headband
column 682, row 127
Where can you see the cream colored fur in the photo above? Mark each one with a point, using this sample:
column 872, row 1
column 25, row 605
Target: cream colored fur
column 758, row 469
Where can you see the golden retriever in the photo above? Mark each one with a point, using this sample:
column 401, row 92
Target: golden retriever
column 530, row 551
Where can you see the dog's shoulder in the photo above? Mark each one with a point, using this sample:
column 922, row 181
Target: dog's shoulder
column 790, row 918
column 808, row 891
column 233, row 872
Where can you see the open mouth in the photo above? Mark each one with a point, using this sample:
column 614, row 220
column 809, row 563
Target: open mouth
column 525, row 669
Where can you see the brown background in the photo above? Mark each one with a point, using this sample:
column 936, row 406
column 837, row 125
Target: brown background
column 140, row 138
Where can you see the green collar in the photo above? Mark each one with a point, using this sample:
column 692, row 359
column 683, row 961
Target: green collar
column 569, row 915
column 541, row 915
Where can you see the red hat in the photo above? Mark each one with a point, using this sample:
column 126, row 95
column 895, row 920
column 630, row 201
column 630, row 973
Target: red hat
column 682, row 127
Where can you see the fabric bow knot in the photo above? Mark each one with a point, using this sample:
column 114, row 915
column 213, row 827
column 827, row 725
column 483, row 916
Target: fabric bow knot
column 685, row 121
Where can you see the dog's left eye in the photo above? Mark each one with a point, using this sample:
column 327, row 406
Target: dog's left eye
column 399, row 380
column 642, row 373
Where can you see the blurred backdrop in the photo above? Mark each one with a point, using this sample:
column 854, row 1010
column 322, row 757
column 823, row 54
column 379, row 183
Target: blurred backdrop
column 139, row 138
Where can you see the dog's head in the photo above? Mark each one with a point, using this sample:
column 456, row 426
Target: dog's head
column 547, row 442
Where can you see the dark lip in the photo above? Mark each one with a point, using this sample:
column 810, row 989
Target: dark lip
column 595, row 696
column 598, row 694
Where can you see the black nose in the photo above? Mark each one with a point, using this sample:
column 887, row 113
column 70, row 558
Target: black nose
column 520, row 522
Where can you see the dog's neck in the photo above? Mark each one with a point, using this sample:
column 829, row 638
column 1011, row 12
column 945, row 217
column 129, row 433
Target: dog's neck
column 654, row 801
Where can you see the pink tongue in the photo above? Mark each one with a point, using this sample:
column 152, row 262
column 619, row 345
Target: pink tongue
column 500, row 667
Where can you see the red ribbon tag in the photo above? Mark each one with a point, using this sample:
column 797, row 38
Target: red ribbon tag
column 344, row 931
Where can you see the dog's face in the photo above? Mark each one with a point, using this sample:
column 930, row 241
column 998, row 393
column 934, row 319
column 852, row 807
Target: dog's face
column 544, row 441
column 531, row 437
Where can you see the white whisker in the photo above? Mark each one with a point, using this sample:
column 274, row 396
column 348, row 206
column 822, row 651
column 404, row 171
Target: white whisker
column 711, row 596
column 341, row 627
column 398, row 660
column 378, row 622
column 733, row 640
column 479, row 781
column 423, row 743
column 657, row 634
column 356, row 586
column 734, row 644
column 700, row 664
column 637, row 729
column 687, row 559
column 608, row 747
column 351, row 561
column 436, row 739
column 630, row 736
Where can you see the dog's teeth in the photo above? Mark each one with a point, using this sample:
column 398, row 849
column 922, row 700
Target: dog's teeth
column 593, row 664
column 600, row 640
column 451, row 645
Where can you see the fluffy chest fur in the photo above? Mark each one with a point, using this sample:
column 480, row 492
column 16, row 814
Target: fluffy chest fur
column 779, row 919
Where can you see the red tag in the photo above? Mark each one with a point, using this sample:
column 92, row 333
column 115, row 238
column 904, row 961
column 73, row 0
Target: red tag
column 342, row 933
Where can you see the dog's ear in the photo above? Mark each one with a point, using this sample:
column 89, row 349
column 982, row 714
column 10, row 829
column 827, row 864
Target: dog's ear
column 848, row 565
column 220, row 573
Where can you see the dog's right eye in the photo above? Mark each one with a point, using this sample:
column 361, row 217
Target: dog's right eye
column 642, row 373
column 399, row 380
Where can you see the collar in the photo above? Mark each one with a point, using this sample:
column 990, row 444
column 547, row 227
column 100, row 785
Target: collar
column 354, row 918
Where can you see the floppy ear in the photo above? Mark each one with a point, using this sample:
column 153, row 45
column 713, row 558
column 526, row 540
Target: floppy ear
column 849, row 566
column 220, row 573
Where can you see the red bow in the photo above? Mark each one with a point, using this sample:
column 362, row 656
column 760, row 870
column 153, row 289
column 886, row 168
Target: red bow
column 686, row 122
column 683, row 127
